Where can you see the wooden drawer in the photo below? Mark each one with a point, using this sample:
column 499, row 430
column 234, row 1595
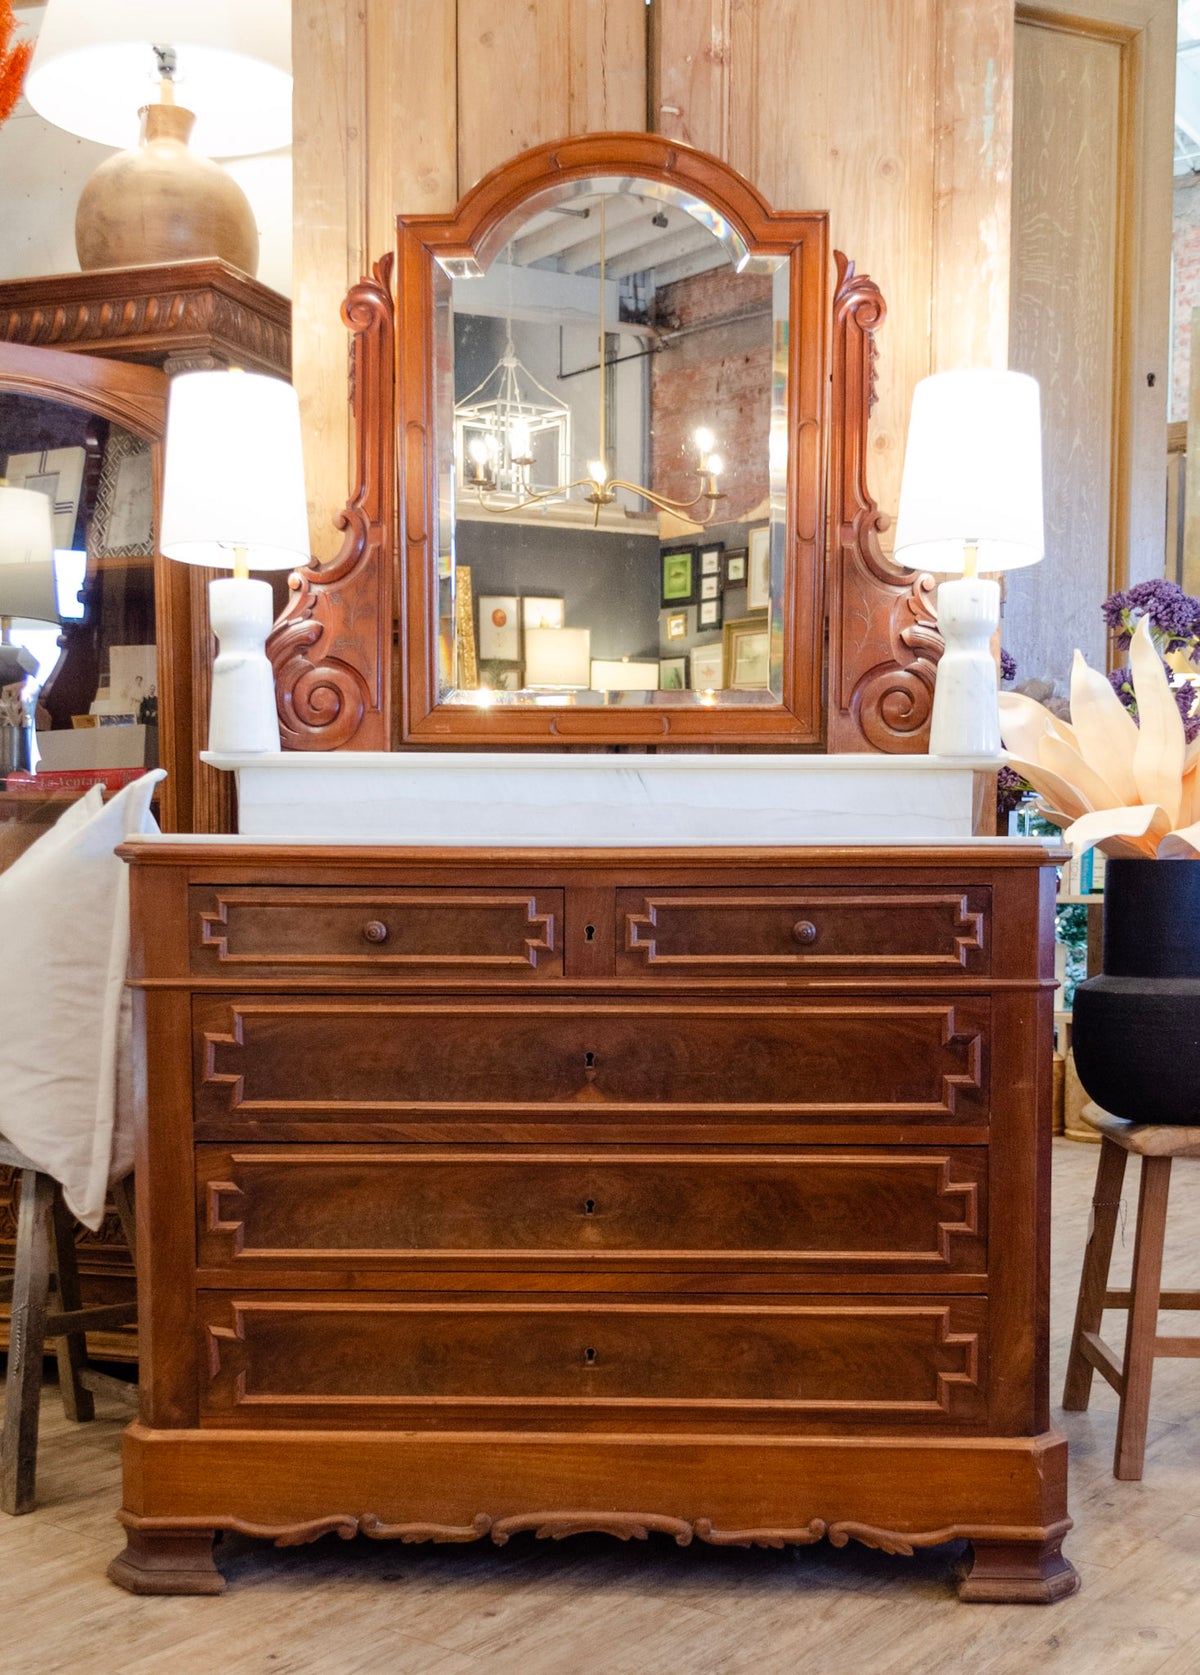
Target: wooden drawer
column 314, row 1211
column 419, row 933
column 764, row 932
column 337, row 1358
column 264, row 1062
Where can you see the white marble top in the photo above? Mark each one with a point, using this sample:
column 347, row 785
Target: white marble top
column 543, row 799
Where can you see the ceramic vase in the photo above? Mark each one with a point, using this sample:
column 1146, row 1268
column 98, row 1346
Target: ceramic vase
column 1136, row 1028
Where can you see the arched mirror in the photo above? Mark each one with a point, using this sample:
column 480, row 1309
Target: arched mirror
column 117, row 677
column 614, row 358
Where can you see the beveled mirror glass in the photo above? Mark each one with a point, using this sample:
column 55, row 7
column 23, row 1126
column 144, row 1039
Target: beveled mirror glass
column 613, row 357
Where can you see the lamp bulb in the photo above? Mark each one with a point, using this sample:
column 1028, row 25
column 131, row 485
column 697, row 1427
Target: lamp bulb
column 598, row 472
column 704, row 440
column 714, row 465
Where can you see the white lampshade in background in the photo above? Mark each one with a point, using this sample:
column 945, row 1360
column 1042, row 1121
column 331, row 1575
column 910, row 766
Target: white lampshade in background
column 28, row 595
column 560, row 658
column 972, row 473
column 234, row 472
column 233, row 497
column 93, row 68
column 970, row 500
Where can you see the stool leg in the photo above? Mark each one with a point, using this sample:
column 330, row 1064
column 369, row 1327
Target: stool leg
column 77, row 1402
column 1093, row 1281
column 1142, row 1327
column 27, row 1336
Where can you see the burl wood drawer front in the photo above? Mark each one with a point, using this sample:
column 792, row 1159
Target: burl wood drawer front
column 423, row 933
column 681, row 933
column 330, row 1061
column 865, row 1360
column 322, row 1208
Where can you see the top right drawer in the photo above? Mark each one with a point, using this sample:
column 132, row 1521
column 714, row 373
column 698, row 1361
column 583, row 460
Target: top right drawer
column 931, row 930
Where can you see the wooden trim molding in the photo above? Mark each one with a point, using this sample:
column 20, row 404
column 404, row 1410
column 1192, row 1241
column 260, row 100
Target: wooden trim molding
column 331, row 647
column 883, row 637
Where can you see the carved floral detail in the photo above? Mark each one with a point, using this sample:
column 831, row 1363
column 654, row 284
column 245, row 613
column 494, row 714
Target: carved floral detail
column 624, row 1526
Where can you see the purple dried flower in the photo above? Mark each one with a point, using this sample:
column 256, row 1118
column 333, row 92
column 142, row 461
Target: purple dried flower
column 1174, row 615
column 1008, row 665
column 1010, row 790
column 1121, row 681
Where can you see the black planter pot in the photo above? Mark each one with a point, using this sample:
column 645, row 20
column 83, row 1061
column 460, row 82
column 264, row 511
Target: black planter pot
column 1136, row 1029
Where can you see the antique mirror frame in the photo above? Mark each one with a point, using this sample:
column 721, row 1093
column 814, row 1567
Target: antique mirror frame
column 134, row 397
column 342, row 682
column 469, row 240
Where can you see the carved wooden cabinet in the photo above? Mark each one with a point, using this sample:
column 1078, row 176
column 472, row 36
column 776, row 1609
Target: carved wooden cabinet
column 693, row 1191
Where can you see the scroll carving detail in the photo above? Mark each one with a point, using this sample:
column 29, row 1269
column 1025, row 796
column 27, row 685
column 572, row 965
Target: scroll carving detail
column 331, row 647
column 884, row 642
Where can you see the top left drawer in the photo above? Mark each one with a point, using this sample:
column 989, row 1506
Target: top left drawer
column 247, row 931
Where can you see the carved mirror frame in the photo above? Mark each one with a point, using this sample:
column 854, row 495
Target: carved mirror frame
column 866, row 685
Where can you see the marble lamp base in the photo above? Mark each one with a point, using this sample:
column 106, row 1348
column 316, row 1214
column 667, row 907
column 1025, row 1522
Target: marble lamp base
column 966, row 714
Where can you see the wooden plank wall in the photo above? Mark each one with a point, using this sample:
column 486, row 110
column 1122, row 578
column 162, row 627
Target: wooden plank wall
column 895, row 115
column 1090, row 300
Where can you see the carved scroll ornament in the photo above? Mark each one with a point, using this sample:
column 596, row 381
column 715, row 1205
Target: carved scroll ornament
column 331, row 647
column 883, row 636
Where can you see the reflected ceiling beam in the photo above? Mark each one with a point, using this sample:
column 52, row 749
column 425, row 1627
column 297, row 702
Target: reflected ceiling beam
column 641, row 233
column 687, row 267
column 649, row 258
column 564, row 232
column 511, row 293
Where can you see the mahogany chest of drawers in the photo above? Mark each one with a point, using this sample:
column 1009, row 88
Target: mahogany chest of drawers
column 688, row 1191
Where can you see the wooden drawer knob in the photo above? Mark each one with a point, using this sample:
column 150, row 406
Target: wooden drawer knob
column 375, row 930
column 804, row 931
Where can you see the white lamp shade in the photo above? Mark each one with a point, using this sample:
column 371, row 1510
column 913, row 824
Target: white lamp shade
column 234, row 472
column 94, row 67
column 27, row 588
column 558, row 657
column 972, row 473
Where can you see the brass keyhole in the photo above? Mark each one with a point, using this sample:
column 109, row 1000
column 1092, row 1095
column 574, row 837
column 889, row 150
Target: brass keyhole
column 589, row 933
column 589, row 1061
column 589, row 1206
column 589, row 1357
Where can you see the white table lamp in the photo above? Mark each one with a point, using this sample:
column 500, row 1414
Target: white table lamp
column 558, row 659
column 970, row 501
column 101, row 66
column 233, row 498
column 28, row 599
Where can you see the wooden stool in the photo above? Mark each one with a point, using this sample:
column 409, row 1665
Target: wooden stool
column 1157, row 1146
column 46, row 1245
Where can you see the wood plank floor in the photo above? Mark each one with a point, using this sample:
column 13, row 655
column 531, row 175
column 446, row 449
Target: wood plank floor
column 596, row 1605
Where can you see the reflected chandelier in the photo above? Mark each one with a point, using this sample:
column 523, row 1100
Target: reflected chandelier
column 503, row 442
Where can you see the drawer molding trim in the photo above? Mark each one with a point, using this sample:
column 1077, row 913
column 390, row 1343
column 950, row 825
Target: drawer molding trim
column 214, row 928
column 966, row 924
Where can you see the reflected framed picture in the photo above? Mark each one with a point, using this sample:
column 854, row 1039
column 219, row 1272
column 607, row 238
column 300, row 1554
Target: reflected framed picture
column 708, row 667
column 708, row 614
column 677, row 625
column 672, row 674
column 735, row 568
column 758, row 569
column 747, row 645
column 499, row 628
column 710, row 559
column 541, row 612
column 710, row 587
column 679, row 576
